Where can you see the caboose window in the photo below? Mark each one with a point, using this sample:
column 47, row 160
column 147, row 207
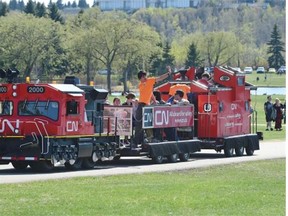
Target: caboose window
column 49, row 109
column 240, row 81
column 6, row 107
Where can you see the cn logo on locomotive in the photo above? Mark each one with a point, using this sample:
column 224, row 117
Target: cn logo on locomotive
column 10, row 125
column 72, row 126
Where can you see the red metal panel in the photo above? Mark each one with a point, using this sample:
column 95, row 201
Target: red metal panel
column 207, row 116
column 221, row 116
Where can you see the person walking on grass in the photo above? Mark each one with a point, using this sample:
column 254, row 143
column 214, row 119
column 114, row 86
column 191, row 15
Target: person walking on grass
column 278, row 106
column 269, row 114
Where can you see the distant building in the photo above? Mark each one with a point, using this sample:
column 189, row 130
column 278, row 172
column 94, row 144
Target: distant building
column 127, row 5
column 131, row 5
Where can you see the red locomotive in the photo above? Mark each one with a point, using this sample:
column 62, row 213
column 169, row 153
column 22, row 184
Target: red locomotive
column 43, row 124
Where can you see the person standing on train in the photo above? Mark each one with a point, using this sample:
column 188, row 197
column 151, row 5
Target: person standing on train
column 129, row 99
column 146, row 87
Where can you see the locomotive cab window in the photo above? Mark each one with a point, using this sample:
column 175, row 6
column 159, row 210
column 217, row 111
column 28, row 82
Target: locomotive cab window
column 6, row 107
column 72, row 107
column 49, row 109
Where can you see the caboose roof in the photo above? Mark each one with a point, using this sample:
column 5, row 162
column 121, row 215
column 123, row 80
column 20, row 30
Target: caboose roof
column 67, row 88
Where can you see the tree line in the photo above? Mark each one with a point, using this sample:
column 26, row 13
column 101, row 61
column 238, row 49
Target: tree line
column 147, row 39
column 20, row 4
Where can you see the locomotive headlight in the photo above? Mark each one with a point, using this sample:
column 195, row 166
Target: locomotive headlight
column 14, row 94
column 14, row 87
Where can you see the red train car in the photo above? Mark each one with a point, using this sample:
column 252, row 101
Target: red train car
column 222, row 111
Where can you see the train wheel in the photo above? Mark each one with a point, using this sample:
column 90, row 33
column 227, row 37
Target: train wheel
column 88, row 163
column 173, row 158
column 19, row 165
column 184, row 156
column 249, row 150
column 42, row 166
column 239, row 151
column 116, row 158
column 228, row 151
column 157, row 159
column 77, row 165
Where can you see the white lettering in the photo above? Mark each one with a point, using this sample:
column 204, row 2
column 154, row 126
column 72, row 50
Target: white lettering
column 9, row 124
column 229, row 124
column 72, row 126
column 237, row 116
column 233, row 106
column 181, row 120
column 180, row 113
column 148, row 118
column 161, row 117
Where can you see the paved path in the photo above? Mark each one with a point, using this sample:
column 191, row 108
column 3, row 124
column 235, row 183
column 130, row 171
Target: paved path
column 268, row 150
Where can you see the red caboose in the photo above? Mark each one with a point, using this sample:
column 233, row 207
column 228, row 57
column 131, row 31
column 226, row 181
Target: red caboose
column 222, row 111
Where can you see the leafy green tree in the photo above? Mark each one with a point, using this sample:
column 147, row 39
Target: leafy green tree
column 112, row 34
column 137, row 52
column 54, row 61
column 40, row 10
column 167, row 58
column 21, row 5
column 220, row 48
column 95, row 3
column 101, row 39
column 250, row 25
column 26, row 41
column 193, row 57
column 13, row 4
column 159, row 63
column 30, row 7
column 50, row 4
column 60, row 4
column 275, row 49
column 81, row 42
column 83, row 4
column 54, row 14
column 3, row 9
column 156, row 60
column 81, row 51
column 74, row 4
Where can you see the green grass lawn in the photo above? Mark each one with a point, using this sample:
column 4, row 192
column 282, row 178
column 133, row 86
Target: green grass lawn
column 251, row 188
column 258, row 105
column 271, row 80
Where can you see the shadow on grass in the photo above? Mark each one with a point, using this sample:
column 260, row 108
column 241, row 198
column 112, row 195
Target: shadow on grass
column 124, row 162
